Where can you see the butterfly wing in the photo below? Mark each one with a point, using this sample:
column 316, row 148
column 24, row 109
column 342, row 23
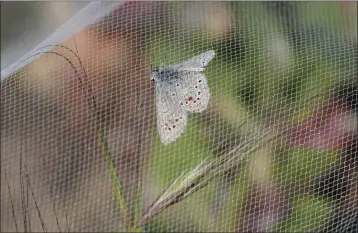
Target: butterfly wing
column 171, row 118
column 197, row 63
column 181, row 88
column 193, row 92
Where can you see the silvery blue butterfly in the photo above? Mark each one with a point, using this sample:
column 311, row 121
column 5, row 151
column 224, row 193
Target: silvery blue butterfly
column 180, row 89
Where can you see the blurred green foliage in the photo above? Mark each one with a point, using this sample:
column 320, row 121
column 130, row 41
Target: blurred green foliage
column 261, row 71
column 302, row 165
column 308, row 213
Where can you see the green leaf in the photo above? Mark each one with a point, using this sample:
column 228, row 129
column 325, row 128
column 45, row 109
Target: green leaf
column 309, row 214
column 301, row 164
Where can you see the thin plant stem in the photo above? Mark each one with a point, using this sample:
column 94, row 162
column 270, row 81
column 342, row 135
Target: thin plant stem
column 12, row 204
column 118, row 192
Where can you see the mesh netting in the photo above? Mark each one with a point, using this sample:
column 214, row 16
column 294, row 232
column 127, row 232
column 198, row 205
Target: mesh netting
column 275, row 149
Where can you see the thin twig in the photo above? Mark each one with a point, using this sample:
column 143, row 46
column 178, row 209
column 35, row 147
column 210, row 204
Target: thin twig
column 12, row 204
column 51, row 193
column 66, row 217
column 33, row 196
column 22, row 193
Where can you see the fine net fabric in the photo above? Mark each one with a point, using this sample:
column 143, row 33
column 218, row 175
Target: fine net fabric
column 275, row 151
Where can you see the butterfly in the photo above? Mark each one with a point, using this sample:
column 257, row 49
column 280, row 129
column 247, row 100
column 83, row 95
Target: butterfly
column 180, row 89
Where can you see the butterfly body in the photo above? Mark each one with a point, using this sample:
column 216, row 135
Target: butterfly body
column 180, row 89
column 166, row 75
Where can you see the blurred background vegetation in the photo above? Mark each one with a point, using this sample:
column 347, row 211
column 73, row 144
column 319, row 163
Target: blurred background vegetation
column 30, row 22
column 284, row 65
